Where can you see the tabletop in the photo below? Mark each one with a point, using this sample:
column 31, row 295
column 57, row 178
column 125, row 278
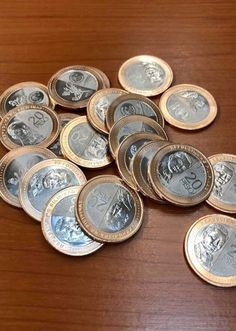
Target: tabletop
column 144, row 283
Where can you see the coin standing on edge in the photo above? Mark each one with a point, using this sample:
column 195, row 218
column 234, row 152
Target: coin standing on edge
column 210, row 249
column 61, row 228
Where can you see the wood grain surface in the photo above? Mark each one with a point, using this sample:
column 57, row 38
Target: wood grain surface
column 144, row 283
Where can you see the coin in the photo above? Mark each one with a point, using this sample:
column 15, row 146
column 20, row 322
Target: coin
column 132, row 104
column 223, row 195
column 127, row 151
column 71, row 87
column 29, row 125
column 44, row 180
column 98, row 105
column 132, row 124
column 108, row 210
column 83, row 145
column 61, row 228
column 146, row 75
column 188, row 107
column 181, row 174
column 210, row 249
column 14, row 165
column 24, row 93
column 105, row 80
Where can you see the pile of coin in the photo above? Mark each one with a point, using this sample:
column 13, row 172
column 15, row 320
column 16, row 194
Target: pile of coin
column 41, row 172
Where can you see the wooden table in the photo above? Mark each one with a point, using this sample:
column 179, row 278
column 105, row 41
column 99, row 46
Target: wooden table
column 145, row 283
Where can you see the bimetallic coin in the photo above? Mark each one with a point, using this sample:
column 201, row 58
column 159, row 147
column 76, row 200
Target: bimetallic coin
column 132, row 124
column 223, row 195
column 105, row 80
column 210, row 249
column 44, row 180
column 108, row 210
column 133, row 104
column 83, row 145
column 98, row 105
column 14, row 165
column 188, row 107
column 181, row 174
column 29, row 125
column 146, row 75
column 61, row 228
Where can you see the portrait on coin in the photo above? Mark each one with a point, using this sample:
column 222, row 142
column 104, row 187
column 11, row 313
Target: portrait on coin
column 224, row 172
column 154, row 72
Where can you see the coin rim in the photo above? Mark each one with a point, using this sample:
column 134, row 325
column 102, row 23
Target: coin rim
column 104, row 78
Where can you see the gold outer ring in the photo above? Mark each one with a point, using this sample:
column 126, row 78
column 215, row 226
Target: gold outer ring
column 190, row 253
column 148, row 93
column 164, row 193
column 131, row 96
column 49, row 234
column 217, row 204
column 188, row 126
column 105, row 80
column 90, row 229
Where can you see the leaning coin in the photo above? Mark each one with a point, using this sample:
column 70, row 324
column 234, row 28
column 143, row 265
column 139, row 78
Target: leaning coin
column 44, row 180
column 132, row 124
column 181, row 174
column 61, row 228
column 83, row 145
column 223, row 195
column 105, row 80
column 108, row 210
column 133, row 104
column 29, row 125
column 145, row 74
column 14, row 165
column 98, row 105
column 210, row 249
column 188, row 107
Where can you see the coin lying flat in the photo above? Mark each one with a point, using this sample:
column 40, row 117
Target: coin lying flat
column 108, row 210
column 61, row 228
column 146, row 75
column 98, row 105
column 188, row 107
column 29, row 125
column 83, row 145
column 181, row 174
column 14, row 165
column 223, row 195
column 105, row 80
column 132, row 104
column 132, row 124
column 210, row 249
column 44, row 180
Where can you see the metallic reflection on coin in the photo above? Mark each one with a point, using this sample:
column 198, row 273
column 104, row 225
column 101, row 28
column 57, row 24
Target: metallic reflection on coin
column 44, row 180
column 103, row 77
column 61, row 228
column 146, row 75
column 108, row 210
column 210, row 249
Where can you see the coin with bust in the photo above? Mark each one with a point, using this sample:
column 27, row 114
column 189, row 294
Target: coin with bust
column 44, row 180
column 60, row 226
column 146, row 75
column 14, row 165
column 108, row 210
column 83, row 145
column 181, row 174
column 132, row 124
column 24, row 93
column 98, row 105
column 71, row 87
column 223, row 195
column 188, row 107
column 133, row 104
column 103, row 77
column 210, row 249
column 29, row 125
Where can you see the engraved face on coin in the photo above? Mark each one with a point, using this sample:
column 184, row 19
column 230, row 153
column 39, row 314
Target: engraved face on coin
column 188, row 106
column 61, row 228
column 108, row 210
column 44, row 180
column 210, row 249
column 146, row 75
